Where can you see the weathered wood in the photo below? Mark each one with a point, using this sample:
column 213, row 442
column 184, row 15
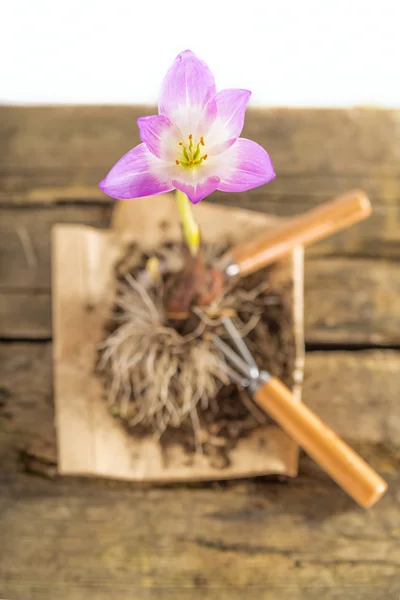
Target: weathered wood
column 25, row 315
column 60, row 153
column 356, row 393
column 347, row 301
column 26, row 398
column 25, row 241
column 303, row 541
column 352, row 302
column 77, row 143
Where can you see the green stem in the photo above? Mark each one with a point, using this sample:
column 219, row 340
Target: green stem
column 191, row 230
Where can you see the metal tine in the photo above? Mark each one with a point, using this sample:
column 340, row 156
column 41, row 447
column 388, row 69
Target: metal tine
column 235, row 377
column 241, row 346
column 234, row 358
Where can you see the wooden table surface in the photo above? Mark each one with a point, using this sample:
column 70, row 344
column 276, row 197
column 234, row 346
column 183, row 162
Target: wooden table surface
column 75, row 539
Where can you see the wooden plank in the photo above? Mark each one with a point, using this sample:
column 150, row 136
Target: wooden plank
column 347, row 301
column 25, row 315
column 26, row 398
column 60, row 153
column 79, row 142
column 352, row 302
column 356, row 393
column 25, row 241
column 303, row 541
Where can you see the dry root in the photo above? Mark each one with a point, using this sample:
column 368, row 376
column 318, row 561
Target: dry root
column 158, row 377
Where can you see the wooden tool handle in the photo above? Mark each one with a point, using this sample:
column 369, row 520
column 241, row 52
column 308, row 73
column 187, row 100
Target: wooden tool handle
column 305, row 229
column 348, row 469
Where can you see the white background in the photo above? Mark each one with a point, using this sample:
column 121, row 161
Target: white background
column 305, row 52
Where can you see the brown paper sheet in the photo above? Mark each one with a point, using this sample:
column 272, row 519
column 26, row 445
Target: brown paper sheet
column 90, row 442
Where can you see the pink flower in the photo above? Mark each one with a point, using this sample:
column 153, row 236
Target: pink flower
column 193, row 144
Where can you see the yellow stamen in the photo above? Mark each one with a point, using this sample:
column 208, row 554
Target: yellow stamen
column 191, row 153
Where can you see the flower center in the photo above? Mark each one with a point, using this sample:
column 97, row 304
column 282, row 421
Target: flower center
column 190, row 155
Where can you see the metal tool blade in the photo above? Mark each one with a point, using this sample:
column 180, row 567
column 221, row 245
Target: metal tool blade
column 241, row 346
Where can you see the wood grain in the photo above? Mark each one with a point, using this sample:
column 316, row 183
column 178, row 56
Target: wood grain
column 53, row 154
column 303, row 541
column 352, row 302
column 25, row 241
column 25, row 315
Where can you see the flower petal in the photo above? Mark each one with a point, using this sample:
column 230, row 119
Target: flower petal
column 228, row 108
column 138, row 173
column 248, row 166
column 159, row 135
column 187, row 87
column 196, row 190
